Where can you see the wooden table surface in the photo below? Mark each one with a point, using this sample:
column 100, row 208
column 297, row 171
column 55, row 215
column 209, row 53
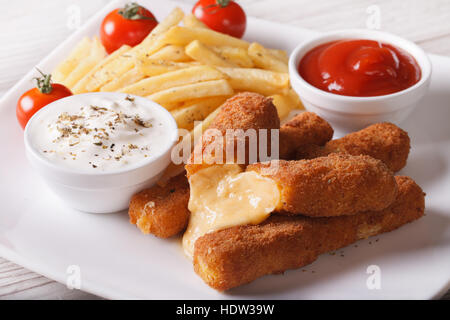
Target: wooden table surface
column 31, row 29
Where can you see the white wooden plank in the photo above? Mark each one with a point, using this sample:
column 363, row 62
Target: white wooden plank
column 19, row 283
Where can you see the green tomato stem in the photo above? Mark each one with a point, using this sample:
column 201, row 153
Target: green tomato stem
column 44, row 83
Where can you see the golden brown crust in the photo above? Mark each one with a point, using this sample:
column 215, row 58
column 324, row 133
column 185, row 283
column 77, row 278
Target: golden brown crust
column 382, row 141
column 247, row 110
column 338, row 184
column 243, row 111
column 305, row 128
column 238, row 255
column 162, row 211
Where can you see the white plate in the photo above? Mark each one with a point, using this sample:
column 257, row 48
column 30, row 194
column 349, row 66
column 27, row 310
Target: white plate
column 39, row 232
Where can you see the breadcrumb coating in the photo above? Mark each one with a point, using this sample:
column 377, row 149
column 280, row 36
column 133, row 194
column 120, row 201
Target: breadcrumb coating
column 382, row 141
column 304, row 129
column 162, row 210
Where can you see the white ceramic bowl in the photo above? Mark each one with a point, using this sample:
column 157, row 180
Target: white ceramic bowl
column 100, row 192
column 348, row 113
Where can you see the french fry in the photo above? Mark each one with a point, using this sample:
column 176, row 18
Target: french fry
column 196, row 133
column 176, row 78
column 80, row 87
column 286, row 103
column 283, row 104
column 173, row 105
column 80, row 52
column 256, row 80
column 208, row 120
column 262, row 58
column 124, row 63
column 182, row 36
column 196, row 110
column 97, row 54
column 174, row 18
column 152, row 68
column 279, row 54
column 192, row 22
column 171, row 53
column 192, row 91
column 120, row 66
column 199, row 52
column 188, row 141
column 155, row 40
column 236, row 56
column 295, row 99
column 132, row 76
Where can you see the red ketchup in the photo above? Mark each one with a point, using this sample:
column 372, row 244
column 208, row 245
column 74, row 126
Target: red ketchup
column 360, row 68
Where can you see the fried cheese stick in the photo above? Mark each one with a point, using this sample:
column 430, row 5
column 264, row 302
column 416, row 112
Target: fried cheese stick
column 243, row 111
column 232, row 257
column 162, row 210
column 338, row 184
column 306, row 128
column 383, row 141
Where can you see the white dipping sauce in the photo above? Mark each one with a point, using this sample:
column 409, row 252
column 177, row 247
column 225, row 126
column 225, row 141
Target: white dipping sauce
column 101, row 134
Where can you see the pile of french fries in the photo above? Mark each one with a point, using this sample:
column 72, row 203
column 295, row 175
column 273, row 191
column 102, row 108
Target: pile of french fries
column 190, row 70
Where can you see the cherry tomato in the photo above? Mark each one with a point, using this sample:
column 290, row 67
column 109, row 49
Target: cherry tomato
column 221, row 15
column 35, row 99
column 129, row 25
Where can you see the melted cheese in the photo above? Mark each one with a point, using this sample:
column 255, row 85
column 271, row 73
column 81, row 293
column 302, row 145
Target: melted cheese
column 224, row 196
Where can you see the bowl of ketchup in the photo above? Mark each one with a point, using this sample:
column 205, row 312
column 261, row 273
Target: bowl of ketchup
column 354, row 78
